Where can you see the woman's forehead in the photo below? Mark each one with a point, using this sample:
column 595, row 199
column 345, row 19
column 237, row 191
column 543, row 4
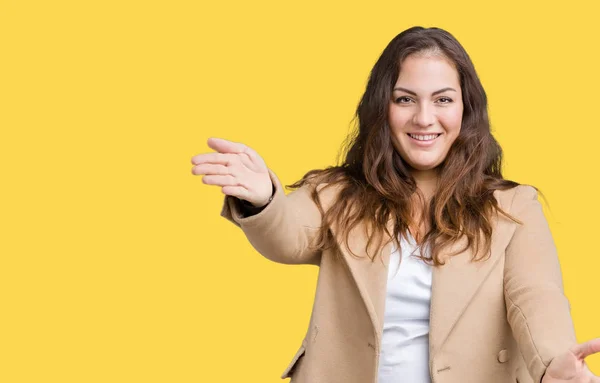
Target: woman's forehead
column 427, row 71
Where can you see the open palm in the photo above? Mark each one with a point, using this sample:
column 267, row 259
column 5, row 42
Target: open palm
column 237, row 169
column 570, row 367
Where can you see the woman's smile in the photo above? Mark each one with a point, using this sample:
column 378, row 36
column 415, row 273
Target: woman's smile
column 424, row 140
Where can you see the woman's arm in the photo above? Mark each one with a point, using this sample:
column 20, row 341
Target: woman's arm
column 284, row 230
column 537, row 309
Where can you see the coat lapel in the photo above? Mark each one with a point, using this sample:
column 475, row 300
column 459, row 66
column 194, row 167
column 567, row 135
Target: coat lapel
column 453, row 287
column 370, row 276
column 455, row 284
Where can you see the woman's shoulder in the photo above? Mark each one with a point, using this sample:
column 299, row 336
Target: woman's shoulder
column 512, row 199
column 328, row 183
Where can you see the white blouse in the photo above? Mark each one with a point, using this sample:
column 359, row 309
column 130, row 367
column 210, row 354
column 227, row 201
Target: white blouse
column 405, row 341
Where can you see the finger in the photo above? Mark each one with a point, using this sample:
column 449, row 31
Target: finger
column 211, row 169
column 246, row 160
column 247, row 155
column 235, row 191
column 227, row 180
column 251, row 153
column 586, row 349
column 225, row 146
column 214, row 158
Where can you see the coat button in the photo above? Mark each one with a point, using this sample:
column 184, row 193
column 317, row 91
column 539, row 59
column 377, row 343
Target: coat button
column 503, row 356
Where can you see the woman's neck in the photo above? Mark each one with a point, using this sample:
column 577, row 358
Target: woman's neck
column 427, row 181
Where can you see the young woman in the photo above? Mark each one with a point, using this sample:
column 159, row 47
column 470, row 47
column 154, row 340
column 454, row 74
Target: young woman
column 432, row 266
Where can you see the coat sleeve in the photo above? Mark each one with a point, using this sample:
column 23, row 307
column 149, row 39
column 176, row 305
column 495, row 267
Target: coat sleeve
column 285, row 229
column 537, row 309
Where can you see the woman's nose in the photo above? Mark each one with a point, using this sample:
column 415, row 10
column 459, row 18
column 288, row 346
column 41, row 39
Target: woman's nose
column 424, row 116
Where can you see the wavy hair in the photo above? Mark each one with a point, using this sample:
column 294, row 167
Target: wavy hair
column 375, row 184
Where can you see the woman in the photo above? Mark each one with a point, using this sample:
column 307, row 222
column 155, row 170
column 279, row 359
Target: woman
column 432, row 266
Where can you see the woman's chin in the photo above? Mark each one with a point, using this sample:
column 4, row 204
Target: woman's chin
column 424, row 166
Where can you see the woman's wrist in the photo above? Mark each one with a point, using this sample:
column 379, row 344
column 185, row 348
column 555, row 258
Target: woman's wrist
column 248, row 209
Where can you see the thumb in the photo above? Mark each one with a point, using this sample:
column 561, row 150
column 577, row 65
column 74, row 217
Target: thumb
column 225, row 146
column 586, row 349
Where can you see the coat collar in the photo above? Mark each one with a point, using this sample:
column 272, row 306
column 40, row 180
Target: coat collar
column 453, row 286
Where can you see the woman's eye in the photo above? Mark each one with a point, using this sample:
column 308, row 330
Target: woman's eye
column 403, row 100
column 445, row 100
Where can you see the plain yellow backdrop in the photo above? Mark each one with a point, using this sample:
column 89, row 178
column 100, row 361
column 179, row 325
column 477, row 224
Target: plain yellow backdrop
column 115, row 264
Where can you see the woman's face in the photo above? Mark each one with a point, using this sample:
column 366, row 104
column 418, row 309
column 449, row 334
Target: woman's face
column 425, row 113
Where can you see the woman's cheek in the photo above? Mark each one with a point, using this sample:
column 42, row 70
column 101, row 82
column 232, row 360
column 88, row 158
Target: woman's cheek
column 453, row 122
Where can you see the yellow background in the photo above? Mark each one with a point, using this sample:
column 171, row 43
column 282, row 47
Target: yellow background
column 115, row 263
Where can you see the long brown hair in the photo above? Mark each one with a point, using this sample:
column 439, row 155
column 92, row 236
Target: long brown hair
column 375, row 184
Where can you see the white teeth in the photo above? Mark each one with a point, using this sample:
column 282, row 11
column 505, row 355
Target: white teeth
column 423, row 138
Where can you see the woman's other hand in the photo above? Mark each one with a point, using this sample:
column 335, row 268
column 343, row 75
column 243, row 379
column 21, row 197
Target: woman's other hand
column 570, row 367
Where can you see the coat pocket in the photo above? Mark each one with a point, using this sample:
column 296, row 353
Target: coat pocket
column 290, row 368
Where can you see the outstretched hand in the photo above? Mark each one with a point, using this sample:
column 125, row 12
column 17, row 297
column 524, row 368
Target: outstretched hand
column 237, row 169
column 570, row 367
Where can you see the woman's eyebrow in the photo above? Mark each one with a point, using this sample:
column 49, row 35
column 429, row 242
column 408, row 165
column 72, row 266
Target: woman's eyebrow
column 433, row 94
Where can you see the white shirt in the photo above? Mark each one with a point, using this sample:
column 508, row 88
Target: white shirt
column 405, row 341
